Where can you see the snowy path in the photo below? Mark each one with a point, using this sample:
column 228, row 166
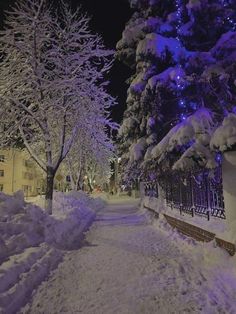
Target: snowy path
column 129, row 266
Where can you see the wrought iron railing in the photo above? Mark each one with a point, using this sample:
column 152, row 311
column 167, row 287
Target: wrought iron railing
column 151, row 189
column 196, row 193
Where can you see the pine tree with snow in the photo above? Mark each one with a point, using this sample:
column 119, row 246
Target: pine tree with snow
column 183, row 53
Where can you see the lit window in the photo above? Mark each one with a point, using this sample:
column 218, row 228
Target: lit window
column 1, row 173
column 2, row 158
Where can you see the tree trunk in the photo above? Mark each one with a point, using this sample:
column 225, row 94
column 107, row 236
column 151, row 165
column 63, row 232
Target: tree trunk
column 49, row 190
column 72, row 183
column 90, row 186
column 79, row 184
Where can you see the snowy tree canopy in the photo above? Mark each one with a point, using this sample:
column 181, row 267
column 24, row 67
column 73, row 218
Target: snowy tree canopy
column 52, row 81
column 183, row 57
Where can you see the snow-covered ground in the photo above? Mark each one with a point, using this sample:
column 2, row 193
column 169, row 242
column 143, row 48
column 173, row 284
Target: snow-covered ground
column 130, row 263
column 32, row 243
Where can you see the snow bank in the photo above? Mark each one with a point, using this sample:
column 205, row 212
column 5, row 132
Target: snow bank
column 216, row 260
column 31, row 241
column 24, row 224
column 72, row 214
column 214, row 225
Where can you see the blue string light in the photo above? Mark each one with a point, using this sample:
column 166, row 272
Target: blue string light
column 179, row 81
column 179, row 16
column 229, row 19
column 218, row 158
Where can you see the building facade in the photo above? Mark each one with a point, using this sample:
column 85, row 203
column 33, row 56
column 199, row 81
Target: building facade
column 19, row 172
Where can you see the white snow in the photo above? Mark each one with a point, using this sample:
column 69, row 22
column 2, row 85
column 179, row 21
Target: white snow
column 205, row 158
column 137, row 149
column 127, row 125
column 132, row 264
column 31, row 241
column 157, row 46
column 224, row 136
column 170, row 77
column 195, row 133
column 137, row 86
column 214, row 225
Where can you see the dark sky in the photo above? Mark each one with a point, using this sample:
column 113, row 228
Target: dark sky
column 108, row 19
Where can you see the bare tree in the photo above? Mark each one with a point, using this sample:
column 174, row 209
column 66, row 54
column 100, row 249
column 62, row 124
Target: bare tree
column 51, row 82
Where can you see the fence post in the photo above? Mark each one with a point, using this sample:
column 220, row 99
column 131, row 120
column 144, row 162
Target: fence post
column 208, row 190
column 180, row 196
column 192, row 195
column 171, row 193
column 142, row 189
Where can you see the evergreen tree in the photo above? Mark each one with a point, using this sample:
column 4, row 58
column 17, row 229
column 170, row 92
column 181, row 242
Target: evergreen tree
column 183, row 53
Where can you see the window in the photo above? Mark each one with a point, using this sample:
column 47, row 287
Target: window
column 1, row 173
column 1, row 187
column 28, row 163
column 26, row 189
column 2, row 158
column 28, row 176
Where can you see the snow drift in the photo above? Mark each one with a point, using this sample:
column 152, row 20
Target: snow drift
column 32, row 243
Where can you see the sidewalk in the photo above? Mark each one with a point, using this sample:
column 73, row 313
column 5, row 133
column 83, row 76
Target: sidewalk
column 127, row 265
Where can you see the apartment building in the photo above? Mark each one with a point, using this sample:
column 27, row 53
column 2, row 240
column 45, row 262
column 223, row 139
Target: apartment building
column 19, row 172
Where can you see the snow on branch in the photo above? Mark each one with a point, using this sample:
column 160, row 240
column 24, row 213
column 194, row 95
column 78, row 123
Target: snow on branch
column 224, row 137
column 192, row 135
column 52, row 80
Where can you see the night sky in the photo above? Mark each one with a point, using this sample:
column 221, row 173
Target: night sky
column 108, row 19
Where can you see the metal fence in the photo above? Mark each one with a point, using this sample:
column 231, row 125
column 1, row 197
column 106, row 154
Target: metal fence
column 195, row 193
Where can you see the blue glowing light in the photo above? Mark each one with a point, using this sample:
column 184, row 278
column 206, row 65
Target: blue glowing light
column 183, row 117
column 218, row 157
column 179, row 84
column 182, row 103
